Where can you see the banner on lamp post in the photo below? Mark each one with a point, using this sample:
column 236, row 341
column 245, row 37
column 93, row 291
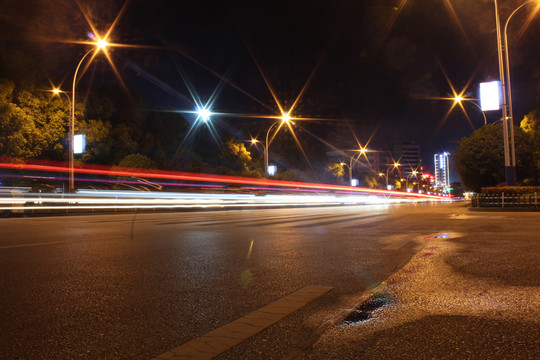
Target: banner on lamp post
column 490, row 95
column 79, row 144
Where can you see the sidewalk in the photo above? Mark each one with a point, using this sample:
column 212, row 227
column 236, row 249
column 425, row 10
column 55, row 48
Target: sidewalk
column 472, row 293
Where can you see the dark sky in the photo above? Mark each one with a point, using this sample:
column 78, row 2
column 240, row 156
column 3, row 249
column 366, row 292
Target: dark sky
column 371, row 67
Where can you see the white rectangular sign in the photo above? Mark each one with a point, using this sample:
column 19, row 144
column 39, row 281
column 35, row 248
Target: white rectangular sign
column 490, row 95
column 78, row 144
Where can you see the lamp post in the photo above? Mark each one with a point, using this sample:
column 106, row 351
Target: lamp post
column 361, row 152
column 255, row 142
column 99, row 45
column 504, row 74
column 396, row 165
column 413, row 173
column 350, row 172
column 381, row 174
column 509, row 86
column 57, row 91
column 285, row 118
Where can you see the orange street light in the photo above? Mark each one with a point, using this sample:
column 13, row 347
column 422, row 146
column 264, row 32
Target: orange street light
column 100, row 45
column 395, row 166
column 285, row 118
column 57, row 92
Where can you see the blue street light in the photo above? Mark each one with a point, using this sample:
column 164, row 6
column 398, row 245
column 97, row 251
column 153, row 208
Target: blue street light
column 204, row 114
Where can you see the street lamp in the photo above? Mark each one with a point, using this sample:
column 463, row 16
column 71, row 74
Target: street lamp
column 350, row 172
column 285, row 118
column 459, row 99
column 204, row 114
column 396, row 165
column 507, row 111
column 354, row 158
column 57, row 92
column 413, row 173
column 255, row 142
column 381, row 174
column 99, row 45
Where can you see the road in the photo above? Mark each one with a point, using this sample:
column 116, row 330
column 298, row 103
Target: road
column 135, row 286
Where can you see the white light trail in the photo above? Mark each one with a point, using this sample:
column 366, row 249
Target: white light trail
column 96, row 200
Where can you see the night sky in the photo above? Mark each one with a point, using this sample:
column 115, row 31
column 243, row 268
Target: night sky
column 371, row 68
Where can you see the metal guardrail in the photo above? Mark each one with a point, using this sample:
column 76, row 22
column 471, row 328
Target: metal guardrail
column 506, row 200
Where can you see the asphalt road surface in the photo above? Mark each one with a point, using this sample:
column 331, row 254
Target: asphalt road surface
column 136, row 286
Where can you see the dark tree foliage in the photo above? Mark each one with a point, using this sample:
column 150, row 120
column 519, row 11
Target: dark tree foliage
column 33, row 124
column 479, row 158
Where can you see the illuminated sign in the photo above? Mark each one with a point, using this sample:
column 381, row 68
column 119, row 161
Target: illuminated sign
column 272, row 169
column 78, row 144
column 490, row 95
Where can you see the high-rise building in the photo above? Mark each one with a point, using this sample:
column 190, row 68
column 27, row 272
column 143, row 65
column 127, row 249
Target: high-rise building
column 442, row 169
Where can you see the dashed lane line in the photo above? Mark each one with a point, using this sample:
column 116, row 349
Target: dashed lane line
column 222, row 339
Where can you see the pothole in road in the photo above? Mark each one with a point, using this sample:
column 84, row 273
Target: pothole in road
column 367, row 308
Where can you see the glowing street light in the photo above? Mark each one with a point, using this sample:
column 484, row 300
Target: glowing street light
column 255, row 142
column 396, row 165
column 413, row 173
column 350, row 172
column 100, row 45
column 204, row 114
column 285, row 119
column 57, row 92
column 352, row 162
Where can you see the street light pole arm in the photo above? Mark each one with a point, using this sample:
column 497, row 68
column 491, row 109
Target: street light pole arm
column 508, row 81
column 387, row 170
column 75, row 79
column 69, row 102
column 515, row 11
column 268, row 132
column 483, row 113
column 351, row 165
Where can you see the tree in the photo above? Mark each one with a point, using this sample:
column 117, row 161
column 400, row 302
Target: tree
column 531, row 125
column 336, row 170
column 371, row 181
column 32, row 124
column 98, row 140
column 137, row 161
column 238, row 160
column 479, row 159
